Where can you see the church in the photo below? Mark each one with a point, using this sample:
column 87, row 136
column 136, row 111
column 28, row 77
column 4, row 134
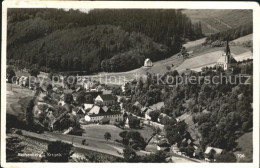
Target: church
column 226, row 60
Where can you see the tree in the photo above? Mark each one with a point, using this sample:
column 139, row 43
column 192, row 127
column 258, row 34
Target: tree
column 123, row 134
column 58, row 152
column 13, row 148
column 89, row 98
column 107, row 136
column 81, row 97
column 157, row 130
column 10, row 73
column 157, row 157
column 130, row 155
column 133, row 122
column 49, row 88
column 184, row 52
column 212, row 154
column 226, row 157
column 29, row 113
column 50, row 75
column 68, row 98
column 34, row 72
column 190, row 150
column 154, row 115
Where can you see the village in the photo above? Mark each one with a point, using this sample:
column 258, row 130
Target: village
column 129, row 85
column 70, row 109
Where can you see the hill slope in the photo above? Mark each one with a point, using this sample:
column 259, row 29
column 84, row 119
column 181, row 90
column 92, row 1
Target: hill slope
column 101, row 40
column 213, row 21
column 85, row 48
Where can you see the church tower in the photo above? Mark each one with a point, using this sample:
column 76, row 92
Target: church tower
column 227, row 50
column 227, row 57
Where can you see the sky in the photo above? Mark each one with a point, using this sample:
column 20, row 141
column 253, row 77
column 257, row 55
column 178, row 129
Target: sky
column 84, row 10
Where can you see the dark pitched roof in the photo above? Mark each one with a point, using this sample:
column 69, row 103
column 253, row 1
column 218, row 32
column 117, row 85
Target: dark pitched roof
column 105, row 114
column 79, row 110
column 107, row 97
column 163, row 144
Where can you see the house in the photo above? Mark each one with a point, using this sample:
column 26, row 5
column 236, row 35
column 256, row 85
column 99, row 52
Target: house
column 67, row 108
column 210, row 150
column 97, row 114
column 62, row 96
column 124, row 85
column 148, row 63
column 61, row 103
column 24, row 81
column 175, row 149
column 106, row 109
column 105, row 100
column 188, row 72
column 147, row 114
column 106, row 91
column 126, row 123
column 137, row 104
column 161, row 116
column 94, row 94
column 41, row 96
column 78, row 89
column 87, row 107
column 163, row 146
column 198, row 153
column 78, row 111
column 88, row 85
column 99, row 88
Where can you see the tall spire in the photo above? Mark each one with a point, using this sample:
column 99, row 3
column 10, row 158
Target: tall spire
column 227, row 52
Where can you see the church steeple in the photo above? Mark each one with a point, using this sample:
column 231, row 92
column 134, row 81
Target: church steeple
column 227, row 49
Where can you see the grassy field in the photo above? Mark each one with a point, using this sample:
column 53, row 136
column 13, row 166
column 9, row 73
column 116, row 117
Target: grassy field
column 98, row 131
column 201, row 56
column 245, row 144
column 244, row 38
column 200, row 61
column 208, row 56
column 16, row 98
column 190, row 45
column 94, row 136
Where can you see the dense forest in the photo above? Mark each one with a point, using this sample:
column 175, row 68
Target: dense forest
column 218, row 39
column 221, row 112
column 100, row 40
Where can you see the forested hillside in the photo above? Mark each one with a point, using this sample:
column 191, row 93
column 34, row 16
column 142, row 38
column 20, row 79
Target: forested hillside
column 222, row 112
column 218, row 39
column 101, row 40
column 214, row 21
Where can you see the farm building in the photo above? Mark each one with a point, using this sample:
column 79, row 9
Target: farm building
column 148, row 63
column 105, row 100
column 163, row 146
column 210, row 150
column 98, row 114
